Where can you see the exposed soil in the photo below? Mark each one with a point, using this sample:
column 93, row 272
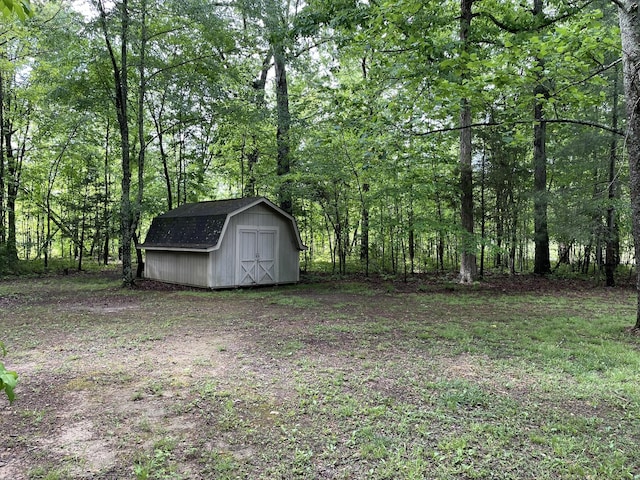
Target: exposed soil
column 108, row 375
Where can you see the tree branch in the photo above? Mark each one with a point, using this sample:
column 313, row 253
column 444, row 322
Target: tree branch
column 585, row 123
column 536, row 26
column 594, row 74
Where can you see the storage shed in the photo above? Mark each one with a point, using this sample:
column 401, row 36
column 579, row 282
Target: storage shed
column 224, row 243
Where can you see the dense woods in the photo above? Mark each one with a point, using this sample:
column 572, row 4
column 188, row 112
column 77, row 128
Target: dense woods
column 405, row 136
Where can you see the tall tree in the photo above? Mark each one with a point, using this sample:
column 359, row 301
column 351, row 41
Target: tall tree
column 542, row 262
column 629, row 18
column 16, row 110
column 120, row 72
column 468, row 265
column 612, row 240
column 279, row 35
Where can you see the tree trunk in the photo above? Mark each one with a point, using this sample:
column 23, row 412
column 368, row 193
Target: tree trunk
column 254, row 153
column 10, row 173
column 122, row 97
column 282, row 135
column 3, row 232
column 364, row 197
column 412, row 243
column 440, row 255
column 542, row 262
column 630, row 36
column 47, row 238
column 158, row 124
column 252, row 160
column 468, row 255
column 83, row 225
column 14, row 170
column 364, row 237
column 120, row 74
column 483, row 212
column 142, row 91
column 140, row 266
column 105, row 206
column 612, row 237
column 500, row 222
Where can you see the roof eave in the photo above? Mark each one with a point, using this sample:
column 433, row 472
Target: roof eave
column 179, row 249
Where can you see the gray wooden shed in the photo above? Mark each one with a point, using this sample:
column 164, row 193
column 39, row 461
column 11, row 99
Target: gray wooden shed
column 224, row 243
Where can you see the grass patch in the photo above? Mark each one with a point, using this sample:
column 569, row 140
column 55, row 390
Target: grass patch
column 159, row 463
column 326, row 381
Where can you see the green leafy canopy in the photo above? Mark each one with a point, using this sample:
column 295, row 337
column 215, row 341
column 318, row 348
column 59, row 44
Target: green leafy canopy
column 21, row 8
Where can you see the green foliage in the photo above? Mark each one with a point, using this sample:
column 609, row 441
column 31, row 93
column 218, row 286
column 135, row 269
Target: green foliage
column 20, row 8
column 158, row 465
column 374, row 105
column 8, row 378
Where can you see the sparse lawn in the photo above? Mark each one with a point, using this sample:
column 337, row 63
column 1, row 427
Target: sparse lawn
column 510, row 379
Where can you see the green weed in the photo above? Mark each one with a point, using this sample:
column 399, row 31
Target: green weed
column 159, row 464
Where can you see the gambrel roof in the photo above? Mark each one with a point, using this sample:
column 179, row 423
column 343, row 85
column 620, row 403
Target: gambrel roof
column 201, row 226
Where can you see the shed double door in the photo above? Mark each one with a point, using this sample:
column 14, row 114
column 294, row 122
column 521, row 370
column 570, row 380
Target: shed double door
column 257, row 260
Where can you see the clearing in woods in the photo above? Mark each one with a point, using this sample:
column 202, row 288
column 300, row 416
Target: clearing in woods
column 513, row 378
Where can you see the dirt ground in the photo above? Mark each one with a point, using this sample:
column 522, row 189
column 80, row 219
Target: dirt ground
column 96, row 371
column 108, row 375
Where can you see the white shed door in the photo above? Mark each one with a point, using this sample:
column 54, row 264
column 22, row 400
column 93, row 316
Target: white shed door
column 256, row 255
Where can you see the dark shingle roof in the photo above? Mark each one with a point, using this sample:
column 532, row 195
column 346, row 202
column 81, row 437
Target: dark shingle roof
column 199, row 232
column 197, row 225
column 210, row 208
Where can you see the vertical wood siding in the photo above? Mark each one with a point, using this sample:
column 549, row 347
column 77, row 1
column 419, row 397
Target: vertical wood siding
column 218, row 269
column 223, row 261
column 185, row 268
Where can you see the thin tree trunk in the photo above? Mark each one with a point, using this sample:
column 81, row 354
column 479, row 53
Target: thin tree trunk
column 441, row 245
column 468, row 256
column 105, row 206
column 364, row 237
column 157, row 122
column 612, row 237
column 9, row 172
column 142, row 90
column 83, row 225
column 47, row 239
column 500, row 222
column 412, row 241
column 120, row 74
column 513, row 232
column 483, row 213
column 254, row 153
column 140, row 265
column 13, row 173
column 3, row 232
column 252, row 160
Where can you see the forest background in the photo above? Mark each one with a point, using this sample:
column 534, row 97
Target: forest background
column 405, row 136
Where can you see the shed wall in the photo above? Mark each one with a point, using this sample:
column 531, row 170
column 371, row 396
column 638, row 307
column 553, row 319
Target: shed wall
column 185, row 268
column 223, row 261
